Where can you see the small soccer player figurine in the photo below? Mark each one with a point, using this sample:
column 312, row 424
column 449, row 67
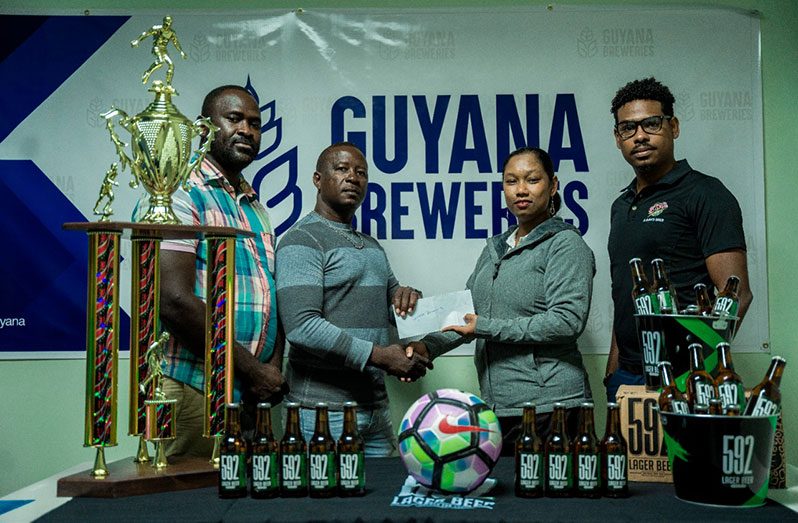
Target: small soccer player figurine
column 161, row 36
column 107, row 194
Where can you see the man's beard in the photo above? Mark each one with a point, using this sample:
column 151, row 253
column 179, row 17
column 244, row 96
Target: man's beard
column 230, row 159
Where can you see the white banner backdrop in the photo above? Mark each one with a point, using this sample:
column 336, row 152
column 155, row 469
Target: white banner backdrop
column 437, row 98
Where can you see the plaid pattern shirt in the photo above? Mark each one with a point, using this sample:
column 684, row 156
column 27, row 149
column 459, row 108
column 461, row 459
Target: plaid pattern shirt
column 211, row 200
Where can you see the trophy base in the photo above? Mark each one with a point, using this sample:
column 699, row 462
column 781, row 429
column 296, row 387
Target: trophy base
column 127, row 478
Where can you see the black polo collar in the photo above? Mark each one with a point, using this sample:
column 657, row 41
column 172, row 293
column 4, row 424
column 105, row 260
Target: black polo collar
column 672, row 177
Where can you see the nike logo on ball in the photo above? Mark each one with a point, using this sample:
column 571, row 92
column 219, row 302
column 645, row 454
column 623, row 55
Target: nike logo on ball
column 447, row 428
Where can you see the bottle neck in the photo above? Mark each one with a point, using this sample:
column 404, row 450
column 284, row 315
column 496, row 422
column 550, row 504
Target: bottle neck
column 232, row 421
column 732, row 285
column 702, row 298
column 528, row 422
column 638, row 276
column 696, row 359
column 724, row 357
column 660, row 277
column 775, row 371
column 613, row 425
column 350, row 420
column 586, row 421
column 292, row 421
column 666, row 373
column 322, row 422
column 558, row 420
column 263, row 423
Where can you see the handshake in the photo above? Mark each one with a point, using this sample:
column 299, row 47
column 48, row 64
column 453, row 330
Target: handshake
column 407, row 363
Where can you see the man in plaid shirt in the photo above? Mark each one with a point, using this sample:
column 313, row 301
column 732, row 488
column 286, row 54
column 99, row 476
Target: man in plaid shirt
column 220, row 196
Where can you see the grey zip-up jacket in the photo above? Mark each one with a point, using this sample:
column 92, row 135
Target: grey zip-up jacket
column 532, row 303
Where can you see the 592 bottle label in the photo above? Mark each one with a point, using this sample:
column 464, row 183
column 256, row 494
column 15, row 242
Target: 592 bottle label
column 294, row 471
column 559, row 474
column 530, row 470
column 264, row 471
column 322, row 470
column 233, row 474
column 352, row 474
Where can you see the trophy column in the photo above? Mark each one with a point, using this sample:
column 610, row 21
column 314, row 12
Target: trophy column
column 144, row 326
column 102, row 340
column 151, row 413
column 219, row 321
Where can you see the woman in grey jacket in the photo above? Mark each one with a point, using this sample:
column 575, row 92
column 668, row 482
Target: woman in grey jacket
column 531, row 289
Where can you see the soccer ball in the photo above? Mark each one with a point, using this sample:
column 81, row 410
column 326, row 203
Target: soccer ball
column 450, row 440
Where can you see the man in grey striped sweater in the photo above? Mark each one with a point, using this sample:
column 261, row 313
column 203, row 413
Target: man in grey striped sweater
column 335, row 288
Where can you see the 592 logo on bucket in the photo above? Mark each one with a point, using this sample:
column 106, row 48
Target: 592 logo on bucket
column 736, row 461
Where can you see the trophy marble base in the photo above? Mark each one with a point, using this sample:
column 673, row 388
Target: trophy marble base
column 127, row 478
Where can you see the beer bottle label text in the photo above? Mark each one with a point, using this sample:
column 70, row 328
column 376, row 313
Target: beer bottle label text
column 587, row 478
column 322, row 471
column 264, row 471
column 294, row 471
column 530, row 470
column 616, row 472
column 232, row 470
column 352, row 474
column 560, row 475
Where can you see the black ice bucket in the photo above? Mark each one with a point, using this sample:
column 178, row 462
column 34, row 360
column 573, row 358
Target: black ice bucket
column 666, row 338
column 720, row 460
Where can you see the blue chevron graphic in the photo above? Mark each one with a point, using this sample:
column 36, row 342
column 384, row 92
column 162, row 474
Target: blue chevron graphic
column 42, row 62
column 44, row 267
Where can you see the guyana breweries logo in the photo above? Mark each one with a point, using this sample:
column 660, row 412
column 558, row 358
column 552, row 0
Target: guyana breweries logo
column 655, row 210
column 738, row 452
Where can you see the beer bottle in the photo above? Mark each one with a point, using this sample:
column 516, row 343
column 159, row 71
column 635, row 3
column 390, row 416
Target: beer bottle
column 700, row 408
column 587, row 462
column 715, row 407
column 702, row 301
column 351, row 457
column 293, row 456
column 727, row 302
column 265, row 470
column 641, row 290
column 528, row 457
column 691, row 310
column 700, row 385
column 321, row 454
column 614, row 473
column 559, row 472
column 666, row 296
column 732, row 410
column 728, row 383
column 670, row 399
column 232, row 456
column 765, row 398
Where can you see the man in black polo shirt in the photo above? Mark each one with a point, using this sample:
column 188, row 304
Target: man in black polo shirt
column 669, row 211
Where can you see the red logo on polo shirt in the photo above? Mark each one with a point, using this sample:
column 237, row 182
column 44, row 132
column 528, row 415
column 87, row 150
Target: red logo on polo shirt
column 657, row 209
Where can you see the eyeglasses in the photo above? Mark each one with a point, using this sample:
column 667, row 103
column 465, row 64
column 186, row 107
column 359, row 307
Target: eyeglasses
column 650, row 125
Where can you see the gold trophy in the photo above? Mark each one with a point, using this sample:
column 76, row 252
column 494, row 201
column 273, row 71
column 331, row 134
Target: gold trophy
column 161, row 137
column 162, row 159
column 160, row 426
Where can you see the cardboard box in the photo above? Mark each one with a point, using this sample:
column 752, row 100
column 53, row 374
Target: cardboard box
column 647, row 455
